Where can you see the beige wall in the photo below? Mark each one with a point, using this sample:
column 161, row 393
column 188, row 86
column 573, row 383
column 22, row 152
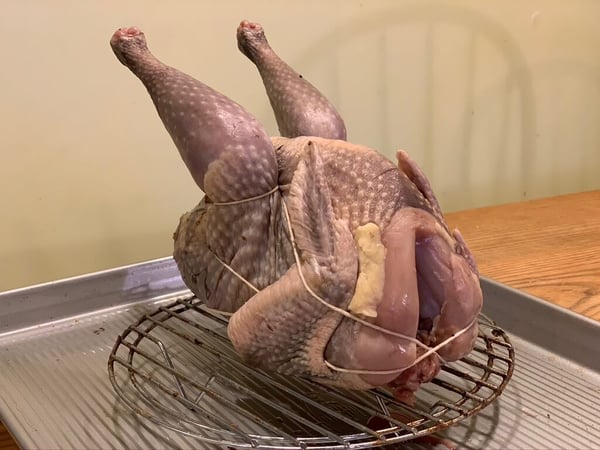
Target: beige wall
column 498, row 100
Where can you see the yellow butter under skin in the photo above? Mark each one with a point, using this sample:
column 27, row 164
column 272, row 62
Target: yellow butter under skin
column 371, row 276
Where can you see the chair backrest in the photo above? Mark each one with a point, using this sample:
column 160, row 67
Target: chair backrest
column 445, row 83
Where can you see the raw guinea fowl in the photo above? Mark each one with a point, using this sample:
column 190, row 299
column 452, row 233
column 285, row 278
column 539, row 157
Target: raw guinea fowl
column 335, row 263
column 299, row 107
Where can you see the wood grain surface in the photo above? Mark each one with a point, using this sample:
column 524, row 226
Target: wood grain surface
column 549, row 248
column 6, row 441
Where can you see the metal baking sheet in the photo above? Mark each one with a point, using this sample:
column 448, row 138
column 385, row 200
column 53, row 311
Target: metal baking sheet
column 55, row 340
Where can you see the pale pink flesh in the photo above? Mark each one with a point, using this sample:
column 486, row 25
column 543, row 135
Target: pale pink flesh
column 399, row 307
column 454, row 299
column 424, row 279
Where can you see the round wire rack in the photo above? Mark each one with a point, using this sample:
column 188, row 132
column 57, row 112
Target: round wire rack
column 177, row 368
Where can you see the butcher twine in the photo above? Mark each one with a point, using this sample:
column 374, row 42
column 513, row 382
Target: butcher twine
column 429, row 350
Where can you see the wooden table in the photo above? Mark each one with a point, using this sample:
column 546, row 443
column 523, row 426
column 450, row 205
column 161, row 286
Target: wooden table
column 549, row 248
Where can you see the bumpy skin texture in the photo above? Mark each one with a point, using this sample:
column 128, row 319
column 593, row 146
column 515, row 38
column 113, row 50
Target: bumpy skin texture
column 230, row 157
column 300, row 109
column 330, row 188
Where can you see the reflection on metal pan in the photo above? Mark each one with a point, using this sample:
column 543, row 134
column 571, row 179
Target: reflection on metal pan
column 176, row 368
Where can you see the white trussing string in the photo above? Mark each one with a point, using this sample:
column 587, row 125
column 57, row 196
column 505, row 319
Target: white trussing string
column 429, row 350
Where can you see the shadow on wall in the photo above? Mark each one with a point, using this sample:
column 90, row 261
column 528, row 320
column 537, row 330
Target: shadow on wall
column 458, row 149
column 572, row 154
